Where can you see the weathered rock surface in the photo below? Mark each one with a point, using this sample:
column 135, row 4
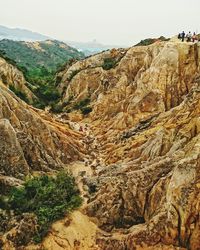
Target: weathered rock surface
column 155, row 194
column 145, row 120
column 12, row 77
column 142, row 145
column 32, row 140
column 76, row 232
column 146, row 81
column 19, row 230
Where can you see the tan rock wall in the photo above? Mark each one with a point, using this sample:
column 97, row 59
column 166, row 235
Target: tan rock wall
column 11, row 76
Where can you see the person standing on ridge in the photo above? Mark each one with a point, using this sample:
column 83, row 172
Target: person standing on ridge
column 194, row 37
column 183, row 36
column 189, row 36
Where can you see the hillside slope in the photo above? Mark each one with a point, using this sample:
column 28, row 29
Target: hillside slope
column 39, row 62
column 35, row 55
column 140, row 82
column 32, row 140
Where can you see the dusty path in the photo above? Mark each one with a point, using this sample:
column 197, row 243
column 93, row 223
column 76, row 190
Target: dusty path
column 88, row 167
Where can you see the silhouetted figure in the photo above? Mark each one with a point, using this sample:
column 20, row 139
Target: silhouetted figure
column 194, row 37
column 183, row 36
column 189, row 36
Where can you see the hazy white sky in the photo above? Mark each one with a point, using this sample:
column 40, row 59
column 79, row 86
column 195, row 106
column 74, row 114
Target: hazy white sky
column 109, row 21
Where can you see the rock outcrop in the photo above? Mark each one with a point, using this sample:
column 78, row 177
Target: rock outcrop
column 13, row 78
column 155, row 192
column 144, row 82
column 31, row 140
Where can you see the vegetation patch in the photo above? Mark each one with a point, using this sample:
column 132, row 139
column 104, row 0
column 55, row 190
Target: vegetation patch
column 40, row 66
column 86, row 110
column 150, row 41
column 18, row 93
column 83, row 106
column 109, row 63
column 48, row 198
column 56, row 108
column 82, row 103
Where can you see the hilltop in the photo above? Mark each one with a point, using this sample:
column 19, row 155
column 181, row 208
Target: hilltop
column 34, row 56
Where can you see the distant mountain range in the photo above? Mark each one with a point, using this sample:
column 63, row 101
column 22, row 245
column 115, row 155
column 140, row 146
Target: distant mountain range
column 90, row 48
column 20, row 34
column 16, row 34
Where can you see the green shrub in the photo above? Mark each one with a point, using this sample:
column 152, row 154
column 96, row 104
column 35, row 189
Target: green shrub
column 150, row 41
column 9, row 60
column 39, row 104
column 82, row 103
column 86, row 110
column 109, row 63
column 49, row 198
column 18, row 93
column 48, row 93
column 56, row 108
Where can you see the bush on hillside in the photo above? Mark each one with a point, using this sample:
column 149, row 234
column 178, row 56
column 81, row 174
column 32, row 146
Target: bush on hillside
column 48, row 197
column 47, row 93
column 86, row 110
column 109, row 63
column 56, row 108
column 9, row 60
column 82, row 103
column 18, row 93
column 150, row 41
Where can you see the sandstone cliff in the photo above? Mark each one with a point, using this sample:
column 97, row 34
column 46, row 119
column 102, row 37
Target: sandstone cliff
column 144, row 81
column 12, row 77
column 32, row 140
column 145, row 122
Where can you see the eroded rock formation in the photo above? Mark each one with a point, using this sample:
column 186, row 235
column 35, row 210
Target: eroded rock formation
column 13, row 78
column 155, row 194
column 144, row 82
column 140, row 145
column 32, row 140
column 146, row 125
